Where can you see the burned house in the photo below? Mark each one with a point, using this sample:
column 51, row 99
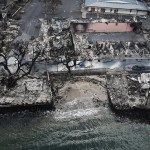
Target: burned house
column 55, row 39
column 129, row 91
column 110, row 38
column 129, row 7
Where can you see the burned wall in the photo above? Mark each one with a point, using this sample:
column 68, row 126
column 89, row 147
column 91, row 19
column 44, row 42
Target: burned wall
column 106, row 27
column 101, row 27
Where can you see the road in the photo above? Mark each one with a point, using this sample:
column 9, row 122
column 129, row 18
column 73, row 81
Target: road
column 30, row 24
column 116, row 37
column 86, row 65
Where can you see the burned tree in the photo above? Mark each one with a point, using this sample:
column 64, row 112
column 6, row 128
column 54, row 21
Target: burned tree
column 69, row 53
column 70, row 58
column 15, row 65
column 69, row 63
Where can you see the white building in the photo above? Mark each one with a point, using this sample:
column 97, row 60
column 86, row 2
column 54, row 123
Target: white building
column 130, row 7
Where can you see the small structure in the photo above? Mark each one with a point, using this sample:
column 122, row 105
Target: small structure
column 28, row 92
column 130, row 7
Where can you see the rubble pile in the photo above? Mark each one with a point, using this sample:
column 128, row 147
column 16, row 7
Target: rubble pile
column 55, row 39
column 27, row 92
column 129, row 91
column 111, row 50
column 9, row 33
column 119, row 18
column 58, row 25
column 83, row 47
column 108, row 18
column 122, row 49
column 60, row 38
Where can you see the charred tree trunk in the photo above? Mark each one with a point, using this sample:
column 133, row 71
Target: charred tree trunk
column 10, row 79
column 9, row 82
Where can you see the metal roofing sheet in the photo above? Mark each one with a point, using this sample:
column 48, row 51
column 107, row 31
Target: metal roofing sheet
column 123, row 4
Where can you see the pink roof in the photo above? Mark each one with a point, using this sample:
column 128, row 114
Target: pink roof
column 109, row 27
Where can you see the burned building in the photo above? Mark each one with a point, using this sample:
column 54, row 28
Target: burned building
column 110, row 38
column 130, row 7
column 55, row 39
column 127, row 91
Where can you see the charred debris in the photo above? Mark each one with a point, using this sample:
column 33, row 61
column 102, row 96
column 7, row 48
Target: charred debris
column 60, row 42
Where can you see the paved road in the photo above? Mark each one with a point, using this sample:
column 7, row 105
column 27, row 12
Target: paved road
column 30, row 20
column 34, row 10
column 127, row 37
column 112, row 65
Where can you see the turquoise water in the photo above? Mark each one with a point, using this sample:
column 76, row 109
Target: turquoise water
column 87, row 129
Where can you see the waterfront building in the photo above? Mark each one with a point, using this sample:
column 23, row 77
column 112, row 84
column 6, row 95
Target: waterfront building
column 124, row 7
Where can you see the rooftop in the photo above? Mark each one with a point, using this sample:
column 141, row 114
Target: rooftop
column 123, row 4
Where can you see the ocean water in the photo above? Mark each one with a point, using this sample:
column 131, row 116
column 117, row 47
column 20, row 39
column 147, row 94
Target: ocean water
column 72, row 128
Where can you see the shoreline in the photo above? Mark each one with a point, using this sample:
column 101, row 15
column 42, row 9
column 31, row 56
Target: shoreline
column 70, row 86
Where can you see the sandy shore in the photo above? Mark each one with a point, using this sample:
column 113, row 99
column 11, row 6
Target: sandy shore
column 90, row 89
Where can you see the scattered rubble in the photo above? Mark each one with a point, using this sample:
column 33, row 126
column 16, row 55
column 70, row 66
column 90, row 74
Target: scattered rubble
column 27, row 92
column 58, row 43
column 9, row 33
column 128, row 91
column 108, row 18
column 112, row 50
column 55, row 39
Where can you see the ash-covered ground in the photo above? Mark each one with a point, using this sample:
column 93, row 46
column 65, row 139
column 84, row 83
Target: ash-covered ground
column 81, row 97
